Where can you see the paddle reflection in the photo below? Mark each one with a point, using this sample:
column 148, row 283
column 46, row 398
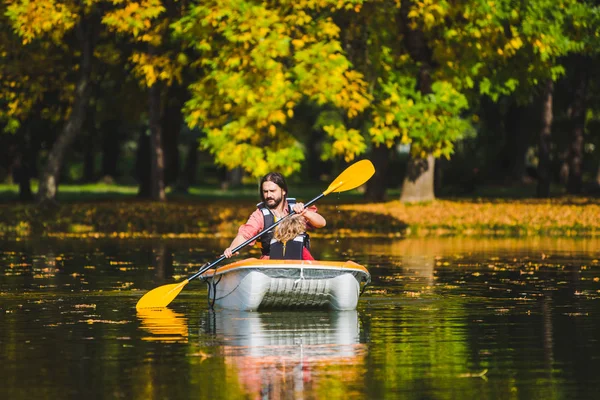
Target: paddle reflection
column 282, row 354
column 163, row 325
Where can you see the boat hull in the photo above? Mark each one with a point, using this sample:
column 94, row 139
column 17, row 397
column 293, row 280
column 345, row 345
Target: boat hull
column 252, row 284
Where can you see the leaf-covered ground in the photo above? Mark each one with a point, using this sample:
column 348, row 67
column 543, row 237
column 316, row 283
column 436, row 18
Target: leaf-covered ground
column 556, row 217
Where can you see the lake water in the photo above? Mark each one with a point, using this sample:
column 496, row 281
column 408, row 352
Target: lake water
column 444, row 318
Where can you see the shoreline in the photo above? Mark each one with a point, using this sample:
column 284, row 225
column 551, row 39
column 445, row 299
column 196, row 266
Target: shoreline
column 571, row 217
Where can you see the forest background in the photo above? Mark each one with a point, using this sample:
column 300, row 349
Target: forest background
column 157, row 117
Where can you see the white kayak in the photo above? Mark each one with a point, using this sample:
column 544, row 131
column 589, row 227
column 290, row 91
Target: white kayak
column 288, row 284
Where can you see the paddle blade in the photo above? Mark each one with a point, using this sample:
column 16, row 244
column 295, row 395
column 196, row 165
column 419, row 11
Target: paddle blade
column 352, row 177
column 160, row 296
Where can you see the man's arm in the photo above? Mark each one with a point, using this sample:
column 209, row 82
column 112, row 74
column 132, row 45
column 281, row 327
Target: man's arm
column 254, row 225
column 239, row 239
column 311, row 215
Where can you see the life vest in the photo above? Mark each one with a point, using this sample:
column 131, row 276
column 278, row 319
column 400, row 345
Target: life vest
column 292, row 250
column 269, row 218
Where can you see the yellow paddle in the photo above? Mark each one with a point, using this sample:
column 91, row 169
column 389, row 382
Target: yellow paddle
column 352, row 177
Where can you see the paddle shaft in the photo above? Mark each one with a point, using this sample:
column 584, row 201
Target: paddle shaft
column 252, row 239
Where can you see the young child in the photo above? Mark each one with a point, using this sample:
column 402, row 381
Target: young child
column 290, row 241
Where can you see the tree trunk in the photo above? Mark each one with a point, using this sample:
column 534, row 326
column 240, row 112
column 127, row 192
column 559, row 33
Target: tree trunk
column 21, row 172
column 143, row 165
column 110, row 149
column 25, row 193
column 418, row 182
column 575, row 154
column 517, row 131
column 543, row 186
column 171, row 123
column 89, row 163
column 21, row 166
column 49, row 181
column 191, row 163
column 420, row 173
column 376, row 186
column 188, row 175
column 233, row 178
column 157, row 163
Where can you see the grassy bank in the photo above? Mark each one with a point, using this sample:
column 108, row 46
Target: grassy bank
column 221, row 217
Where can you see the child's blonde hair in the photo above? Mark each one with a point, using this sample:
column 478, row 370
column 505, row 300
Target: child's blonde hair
column 289, row 228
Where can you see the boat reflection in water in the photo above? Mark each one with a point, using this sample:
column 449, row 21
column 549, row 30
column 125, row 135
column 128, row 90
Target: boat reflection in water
column 285, row 354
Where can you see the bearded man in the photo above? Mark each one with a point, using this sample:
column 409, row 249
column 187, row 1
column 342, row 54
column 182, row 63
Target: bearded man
column 274, row 206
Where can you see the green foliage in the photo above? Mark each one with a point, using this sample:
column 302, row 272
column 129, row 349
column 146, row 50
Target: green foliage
column 346, row 143
column 254, row 63
column 36, row 59
column 29, row 70
column 431, row 122
column 260, row 60
column 147, row 22
column 499, row 47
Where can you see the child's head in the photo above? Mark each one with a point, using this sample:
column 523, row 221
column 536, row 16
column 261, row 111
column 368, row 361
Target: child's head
column 289, row 228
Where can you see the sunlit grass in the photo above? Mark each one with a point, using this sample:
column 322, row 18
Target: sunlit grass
column 73, row 192
column 104, row 191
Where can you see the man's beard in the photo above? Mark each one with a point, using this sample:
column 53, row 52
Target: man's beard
column 275, row 204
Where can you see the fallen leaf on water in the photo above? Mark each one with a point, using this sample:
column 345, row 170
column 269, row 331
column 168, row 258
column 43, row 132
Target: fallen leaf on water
column 202, row 355
column 85, row 306
column 104, row 321
column 474, row 374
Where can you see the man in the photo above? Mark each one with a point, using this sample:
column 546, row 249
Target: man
column 274, row 206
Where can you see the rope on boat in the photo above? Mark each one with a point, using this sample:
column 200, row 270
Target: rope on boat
column 367, row 281
column 301, row 277
column 212, row 287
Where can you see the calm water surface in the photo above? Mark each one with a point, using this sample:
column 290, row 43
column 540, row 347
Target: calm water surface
column 443, row 319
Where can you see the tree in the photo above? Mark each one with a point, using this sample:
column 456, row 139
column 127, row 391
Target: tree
column 50, row 23
column 259, row 61
column 31, row 77
column 495, row 48
column 392, row 44
column 158, row 63
column 584, row 29
column 521, row 47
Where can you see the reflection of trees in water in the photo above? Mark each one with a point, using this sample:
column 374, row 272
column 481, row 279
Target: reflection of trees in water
column 404, row 265
column 500, row 305
column 163, row 260
column 365, row 248
column 569, row 323
column 286, row 354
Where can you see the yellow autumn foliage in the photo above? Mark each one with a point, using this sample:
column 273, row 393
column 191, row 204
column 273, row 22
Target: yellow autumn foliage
column 265, row 60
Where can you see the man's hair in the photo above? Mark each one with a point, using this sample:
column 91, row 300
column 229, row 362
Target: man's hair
column 277, row 179
column 289, row 228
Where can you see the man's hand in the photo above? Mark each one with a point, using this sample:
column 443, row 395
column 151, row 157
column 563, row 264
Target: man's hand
column 312, row 217
column 228, row 253
column 299, row 208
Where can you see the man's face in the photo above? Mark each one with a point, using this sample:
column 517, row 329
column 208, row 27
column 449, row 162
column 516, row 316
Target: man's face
column 272, row 194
